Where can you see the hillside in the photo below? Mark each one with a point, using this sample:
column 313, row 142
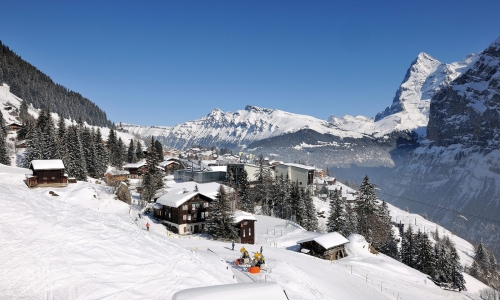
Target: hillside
column 83, row 244
column 31, row 84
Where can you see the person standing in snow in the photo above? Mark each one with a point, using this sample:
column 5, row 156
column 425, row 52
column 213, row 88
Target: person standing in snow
column 260, row 249
column 147, row 226
column 232, row 244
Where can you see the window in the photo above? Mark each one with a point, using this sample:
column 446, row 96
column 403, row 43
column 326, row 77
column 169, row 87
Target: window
column 197, row 205
column 300, row 183
column 169, row 215
column 206, row 214
column 202, row 215
column 249, row 231
column 44, row 178
column 193, row 206
column 185, row 229
column 205, row 204
column 185, row 207
column 189, row 217
column 53, row 178
column 243, row 232
column 184, row 217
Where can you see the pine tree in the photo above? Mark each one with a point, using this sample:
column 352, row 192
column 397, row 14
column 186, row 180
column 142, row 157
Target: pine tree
column 408, row 248
column 131, row 157
column 152, row 179
column 457, row 279
column 352, row 220
column 76, row 163
column 139, row 153
column 263, row 188
column 4, row 150
column 159, row 150
column 230, row 177
column 337, row 214
column 89, row 150
column 61, row 149
column 384, row 239
column 425, row 254
column 311, row 220
column 119, row 154
column 443, row 268
column 366, row 208
column 48, row 137
column 220, row 222
column 101, row 155
column 244, row 192
column 23, row 111
column 33, row 150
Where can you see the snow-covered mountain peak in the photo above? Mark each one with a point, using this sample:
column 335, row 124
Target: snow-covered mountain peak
column 258, row 109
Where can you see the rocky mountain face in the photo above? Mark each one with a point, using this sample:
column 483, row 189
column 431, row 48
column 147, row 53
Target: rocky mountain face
column 457, row 166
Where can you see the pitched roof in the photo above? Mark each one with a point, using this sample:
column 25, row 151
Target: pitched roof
column 47, row 164
column 327, row 240
column 300, row 166
column 136, row 165
column 243, row 215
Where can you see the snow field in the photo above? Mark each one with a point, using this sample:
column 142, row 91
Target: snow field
column 83, row 244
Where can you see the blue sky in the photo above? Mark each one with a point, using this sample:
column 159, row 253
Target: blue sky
column 166, row 62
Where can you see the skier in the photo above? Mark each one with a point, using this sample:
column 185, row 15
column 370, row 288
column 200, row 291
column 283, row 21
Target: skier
column 147, row 226
column 232, row 244
column 260, row 249
column 139, row 215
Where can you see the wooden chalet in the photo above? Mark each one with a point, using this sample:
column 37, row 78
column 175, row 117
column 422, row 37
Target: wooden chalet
column 47, row 173
column 183, row 211
column 136, row 170
column 170, row 164
column 327, row 246
column 245, row 224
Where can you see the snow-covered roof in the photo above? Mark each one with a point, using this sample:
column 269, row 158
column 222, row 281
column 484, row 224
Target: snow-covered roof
column 300, row 166
column 176, row 197
column 157, row 206
column 328, row 240
column 219, row 168
column 114, row 171
column 243, row 215
column 240, row 291
column 166, row 163
column 47, row 164
column 209, row 189
column 136, row 165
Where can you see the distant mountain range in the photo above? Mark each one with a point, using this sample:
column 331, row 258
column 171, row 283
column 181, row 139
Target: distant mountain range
column 437, row 143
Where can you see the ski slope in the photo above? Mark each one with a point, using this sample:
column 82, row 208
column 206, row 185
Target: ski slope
column 83, row 244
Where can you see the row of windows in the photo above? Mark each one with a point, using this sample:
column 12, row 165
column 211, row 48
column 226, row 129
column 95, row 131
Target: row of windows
column 194, row 206
column 249, row 232
column 188, row 217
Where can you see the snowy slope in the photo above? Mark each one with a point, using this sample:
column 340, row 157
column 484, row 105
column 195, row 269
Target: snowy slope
column 83, row 244
column 7, row 99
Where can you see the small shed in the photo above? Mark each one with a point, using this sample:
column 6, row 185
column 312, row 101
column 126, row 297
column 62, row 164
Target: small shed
column 327, row 246
column 245, row 224
column 47, row 173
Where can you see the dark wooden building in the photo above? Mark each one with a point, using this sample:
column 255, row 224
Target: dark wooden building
column 327, row 246
column 47, row 173
column 245, row 224
column 136, row 170
column 14, row 126
column 183, row 211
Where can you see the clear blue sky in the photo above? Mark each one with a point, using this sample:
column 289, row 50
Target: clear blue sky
column 166, row 62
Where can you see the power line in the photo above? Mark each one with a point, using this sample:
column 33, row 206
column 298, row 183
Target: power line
column 440, row 207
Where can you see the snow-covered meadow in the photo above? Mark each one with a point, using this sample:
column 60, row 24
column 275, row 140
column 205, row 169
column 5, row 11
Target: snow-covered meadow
column 83, row 244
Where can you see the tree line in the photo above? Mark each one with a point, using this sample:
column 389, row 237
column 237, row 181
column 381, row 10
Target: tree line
column 38, row 89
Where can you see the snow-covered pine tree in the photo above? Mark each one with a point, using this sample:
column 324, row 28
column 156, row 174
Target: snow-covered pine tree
column 298, row 207
column 131, row 157
column 101, row 154
column 76, row 163
column 23, row 111
column 229, row 177
column 384, row 238
column 443, row 268
column 4, row 150
column 337, row 217
column 366, row 208
column 120, row 153
column 112, row 149
column 457, row 279
column 244, row 192
column 408, row 248
column 425, row 254
column 311, row 219
column 48, row 138
column 481, row 266
column 88, row 151
column 61, row 149
column 152, row 179
column 220, row 221
column 33, row 150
